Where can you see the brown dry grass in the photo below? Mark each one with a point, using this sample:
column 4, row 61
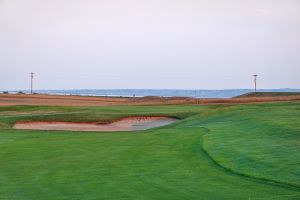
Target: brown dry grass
column 187, row 100
column 68, row 100
column 58, row 100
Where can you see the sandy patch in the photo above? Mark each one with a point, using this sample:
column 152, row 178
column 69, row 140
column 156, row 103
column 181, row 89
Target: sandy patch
column 125, row 124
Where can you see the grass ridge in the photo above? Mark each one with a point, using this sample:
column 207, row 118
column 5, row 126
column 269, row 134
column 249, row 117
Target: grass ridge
column 253, row 178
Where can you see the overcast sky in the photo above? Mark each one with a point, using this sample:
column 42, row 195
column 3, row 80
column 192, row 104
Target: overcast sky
column 205, row 44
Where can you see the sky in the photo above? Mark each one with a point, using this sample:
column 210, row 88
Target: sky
column 159, row 44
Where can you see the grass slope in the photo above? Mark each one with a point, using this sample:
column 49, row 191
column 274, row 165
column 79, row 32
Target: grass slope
column 260, row 141
column 269, row 94
column 186, row 160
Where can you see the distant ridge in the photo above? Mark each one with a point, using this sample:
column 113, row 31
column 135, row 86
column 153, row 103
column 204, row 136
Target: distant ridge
column 268, row 94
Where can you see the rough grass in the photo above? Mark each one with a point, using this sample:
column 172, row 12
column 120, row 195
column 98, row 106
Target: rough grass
column 65, row 100
column 269, row 94
column 204, row 156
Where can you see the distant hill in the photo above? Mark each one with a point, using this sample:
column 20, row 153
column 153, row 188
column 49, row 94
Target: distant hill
column 268, row 94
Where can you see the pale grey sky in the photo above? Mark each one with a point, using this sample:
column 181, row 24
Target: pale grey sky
column 205, row 44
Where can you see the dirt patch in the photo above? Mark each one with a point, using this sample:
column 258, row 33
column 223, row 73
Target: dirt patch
column 125, row 124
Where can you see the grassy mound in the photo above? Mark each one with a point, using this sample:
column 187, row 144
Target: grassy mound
column 257, row 141
column 214, row 152
column 269, row 94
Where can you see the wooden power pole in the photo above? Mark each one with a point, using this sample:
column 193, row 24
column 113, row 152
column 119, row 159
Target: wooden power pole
column 31, row 83
column 255, row 82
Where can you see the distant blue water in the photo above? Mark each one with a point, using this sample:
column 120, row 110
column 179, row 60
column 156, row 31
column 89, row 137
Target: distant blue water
column 158, row 92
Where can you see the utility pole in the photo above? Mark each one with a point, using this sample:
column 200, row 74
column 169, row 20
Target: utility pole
column 31, row 83
column 255, row 82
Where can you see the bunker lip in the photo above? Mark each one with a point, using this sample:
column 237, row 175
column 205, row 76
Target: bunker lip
column 123, row 124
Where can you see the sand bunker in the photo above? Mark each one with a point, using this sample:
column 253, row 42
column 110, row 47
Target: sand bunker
column 125, row 124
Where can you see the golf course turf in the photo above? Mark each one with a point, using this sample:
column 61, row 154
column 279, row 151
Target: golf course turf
column 212, row 152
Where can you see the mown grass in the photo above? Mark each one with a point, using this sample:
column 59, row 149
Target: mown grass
column 214, row 152
column 263, row 140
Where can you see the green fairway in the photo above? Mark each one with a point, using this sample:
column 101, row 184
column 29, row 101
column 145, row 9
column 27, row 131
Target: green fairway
column 214, row 152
